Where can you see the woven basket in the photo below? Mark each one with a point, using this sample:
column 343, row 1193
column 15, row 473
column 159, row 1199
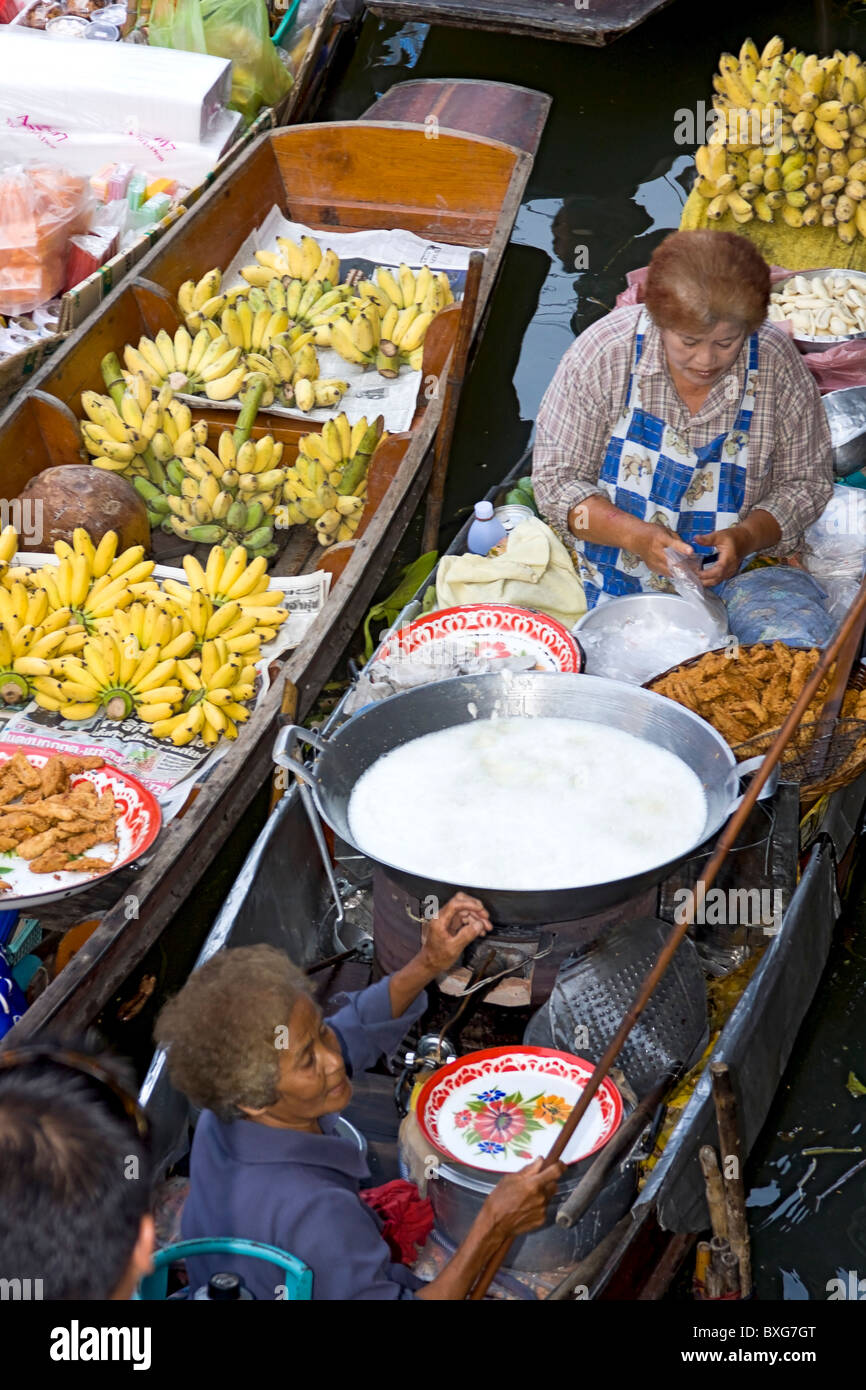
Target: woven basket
column 821, row 758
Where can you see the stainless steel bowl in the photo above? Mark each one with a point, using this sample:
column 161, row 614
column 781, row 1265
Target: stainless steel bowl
column 677, row 611
column 807, row 342
column 846, row 416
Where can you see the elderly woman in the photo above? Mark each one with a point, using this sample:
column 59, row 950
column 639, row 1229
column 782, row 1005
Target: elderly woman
column 687, row 422
column 247, row 1043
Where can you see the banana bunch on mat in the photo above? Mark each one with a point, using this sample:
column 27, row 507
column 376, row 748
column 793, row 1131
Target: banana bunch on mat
column 272, row 326
column 387, row 322
column 224, row 496
column 789, row 140
column 201, row 366
column 305, row 262
column 327, row 485
column 96, row 634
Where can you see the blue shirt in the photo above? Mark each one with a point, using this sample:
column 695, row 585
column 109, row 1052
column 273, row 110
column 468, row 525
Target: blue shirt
column 299, row 1191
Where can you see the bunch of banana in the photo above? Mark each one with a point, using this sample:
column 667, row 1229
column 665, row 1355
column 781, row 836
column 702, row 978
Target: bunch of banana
column 790, row 140
column 357, row 339
column 429, row 291
column 305, row 262
column 202, row 621
column 310, row 304
column 29, row 635
column 202, row 365
column 328, row 483
column 229, row 578
column 93, row 586
column 149, row 625
column 253, row 329
column 213, row 691
column 115, row 676
column 198, row 297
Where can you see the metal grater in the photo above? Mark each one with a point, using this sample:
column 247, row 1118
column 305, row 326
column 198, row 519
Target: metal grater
column 597, row 985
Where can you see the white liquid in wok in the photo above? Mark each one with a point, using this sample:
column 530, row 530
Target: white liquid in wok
column 527, row 804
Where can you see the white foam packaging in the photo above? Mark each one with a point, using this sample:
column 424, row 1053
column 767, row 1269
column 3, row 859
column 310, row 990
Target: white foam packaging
column 85, row 151
column 70, row 84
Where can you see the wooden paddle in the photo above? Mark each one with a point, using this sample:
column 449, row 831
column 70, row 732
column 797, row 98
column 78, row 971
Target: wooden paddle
column 853, row 618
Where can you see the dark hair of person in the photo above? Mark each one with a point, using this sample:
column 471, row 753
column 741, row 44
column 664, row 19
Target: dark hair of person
column 75, row 1179
column 700, row 278
column 222, row 1030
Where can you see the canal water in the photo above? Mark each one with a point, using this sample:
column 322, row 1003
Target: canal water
column 609, row 183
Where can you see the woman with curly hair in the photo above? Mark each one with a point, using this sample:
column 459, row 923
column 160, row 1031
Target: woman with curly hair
column 687, row 422
column 247, row 1043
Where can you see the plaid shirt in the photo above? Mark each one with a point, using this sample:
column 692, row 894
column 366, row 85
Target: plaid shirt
column 790, row 469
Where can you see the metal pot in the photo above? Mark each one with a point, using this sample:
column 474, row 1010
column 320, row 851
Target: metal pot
column 373, row 732
column 607, row 619
column 457, row 1193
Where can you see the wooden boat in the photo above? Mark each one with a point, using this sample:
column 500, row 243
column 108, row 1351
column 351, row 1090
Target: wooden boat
column 594, row 22
column 366, row 174
column 756, row 1040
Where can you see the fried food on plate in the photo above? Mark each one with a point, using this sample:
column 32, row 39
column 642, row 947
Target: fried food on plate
column 54, row 822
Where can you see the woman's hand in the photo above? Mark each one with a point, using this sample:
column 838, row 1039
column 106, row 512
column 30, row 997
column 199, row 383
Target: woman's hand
column 458, row 923
column 654, row 540
column 732, row 549
column 519, row 1201
column 461, row 921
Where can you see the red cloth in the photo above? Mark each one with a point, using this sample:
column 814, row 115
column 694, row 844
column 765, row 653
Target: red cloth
column 843, row 365
column 408, row 1220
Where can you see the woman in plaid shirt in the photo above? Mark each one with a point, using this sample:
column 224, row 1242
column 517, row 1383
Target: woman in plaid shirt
column 687, row 421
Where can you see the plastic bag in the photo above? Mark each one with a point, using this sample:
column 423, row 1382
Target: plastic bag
column 177, row 24
column 41, row 207
column 240, row 30
column 778, row 603
column 834, row 548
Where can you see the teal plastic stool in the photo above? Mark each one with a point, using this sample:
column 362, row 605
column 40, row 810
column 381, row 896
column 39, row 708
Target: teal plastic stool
column 297, row 1277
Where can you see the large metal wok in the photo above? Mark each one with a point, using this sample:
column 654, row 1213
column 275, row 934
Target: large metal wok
column 373, row 732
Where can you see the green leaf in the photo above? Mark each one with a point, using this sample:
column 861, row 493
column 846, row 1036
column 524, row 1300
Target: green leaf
column 387, row 612
column 854, row 1086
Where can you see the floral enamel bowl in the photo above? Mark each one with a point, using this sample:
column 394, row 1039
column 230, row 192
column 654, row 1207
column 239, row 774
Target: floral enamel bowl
column 501, row 1108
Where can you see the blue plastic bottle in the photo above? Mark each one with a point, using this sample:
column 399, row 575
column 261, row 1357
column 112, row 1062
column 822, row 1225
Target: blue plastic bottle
column 485, row 531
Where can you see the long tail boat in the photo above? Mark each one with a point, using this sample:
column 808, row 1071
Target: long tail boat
column 594, row 22
column 462, row 187
column 284, row 896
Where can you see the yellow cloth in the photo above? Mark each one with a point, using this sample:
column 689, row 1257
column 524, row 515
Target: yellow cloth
column 535, row 572
column 795, row 248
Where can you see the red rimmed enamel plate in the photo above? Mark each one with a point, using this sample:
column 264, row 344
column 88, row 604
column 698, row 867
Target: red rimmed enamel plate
column 137, row 827
column 501, row 1108
column 487, row 629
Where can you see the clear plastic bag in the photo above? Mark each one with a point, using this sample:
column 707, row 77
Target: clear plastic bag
column 240, row 30
column 41, row 207
column 834, row 548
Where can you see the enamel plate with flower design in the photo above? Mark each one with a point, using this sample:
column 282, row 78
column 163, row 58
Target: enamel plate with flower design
column 503, row 1107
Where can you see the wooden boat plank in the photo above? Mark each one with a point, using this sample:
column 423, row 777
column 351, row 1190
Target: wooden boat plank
column 516, row 114
column 594, row 22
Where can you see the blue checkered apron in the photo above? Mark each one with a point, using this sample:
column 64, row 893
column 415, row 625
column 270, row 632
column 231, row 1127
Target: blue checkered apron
column 650, row 473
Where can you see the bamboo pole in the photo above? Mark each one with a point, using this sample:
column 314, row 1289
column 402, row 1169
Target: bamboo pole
column 726, row 841
column 702, row 1262
column 715, row 1191
column 730, row 1145
column 453, row 387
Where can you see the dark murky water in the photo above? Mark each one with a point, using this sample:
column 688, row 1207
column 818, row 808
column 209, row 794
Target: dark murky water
column 610, row 178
